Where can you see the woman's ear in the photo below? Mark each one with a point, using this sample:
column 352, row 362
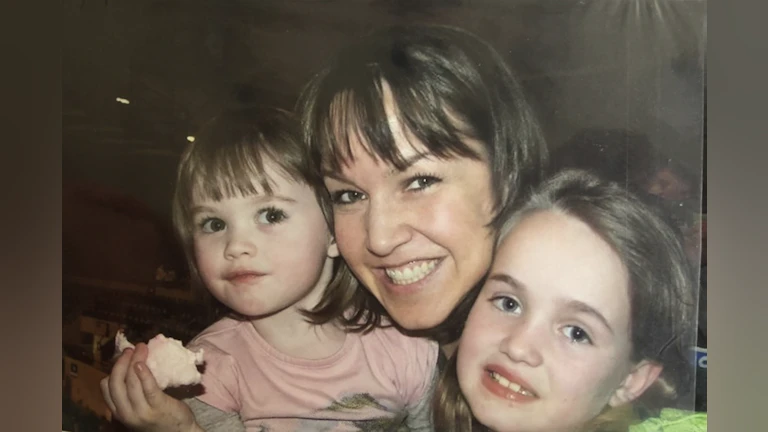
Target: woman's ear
column 637, row 381
column 333, row 249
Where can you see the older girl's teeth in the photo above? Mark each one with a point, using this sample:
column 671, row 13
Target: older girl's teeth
column 515, row 387
column 409, row 275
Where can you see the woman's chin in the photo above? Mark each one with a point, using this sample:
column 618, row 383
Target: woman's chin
column 418, row 317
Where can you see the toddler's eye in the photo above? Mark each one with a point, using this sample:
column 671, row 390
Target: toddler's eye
column 421, row 182
column 506, row 304
column 577, row 334
column 211, row 225
column 271, row 216
column 346, row 197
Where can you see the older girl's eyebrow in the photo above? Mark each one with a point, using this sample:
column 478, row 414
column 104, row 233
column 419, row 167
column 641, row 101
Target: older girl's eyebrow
column 580, row 306
column 507, row 279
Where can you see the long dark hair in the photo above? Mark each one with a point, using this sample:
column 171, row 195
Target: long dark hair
column 447, row 85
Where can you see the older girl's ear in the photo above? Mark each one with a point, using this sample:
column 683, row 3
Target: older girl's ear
column 642, row 376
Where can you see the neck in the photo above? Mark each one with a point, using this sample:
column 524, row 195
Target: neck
column 449, row 349
column 289, row 331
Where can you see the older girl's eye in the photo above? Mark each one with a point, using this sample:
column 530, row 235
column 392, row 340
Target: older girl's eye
column 344, row 197
column 506, row 304
column 421, row 182
column 577, row 335
column 212, row 225
column 271, row 215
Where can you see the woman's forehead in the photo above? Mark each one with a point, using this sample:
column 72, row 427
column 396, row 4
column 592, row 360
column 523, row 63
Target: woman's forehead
column 400, row 148
column 375, row 124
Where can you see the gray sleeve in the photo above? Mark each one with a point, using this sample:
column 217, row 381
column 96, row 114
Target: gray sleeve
column 420, row 415
column 212, row 419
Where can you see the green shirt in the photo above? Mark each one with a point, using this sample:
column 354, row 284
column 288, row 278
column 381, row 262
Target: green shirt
column 673, row 420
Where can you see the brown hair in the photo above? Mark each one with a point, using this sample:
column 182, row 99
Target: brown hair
column 228, row 157
column 661, row 288
column 447, row 84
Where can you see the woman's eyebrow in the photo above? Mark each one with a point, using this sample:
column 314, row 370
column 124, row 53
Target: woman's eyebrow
column 408, row 162
column 412, row 159
column 336, row 176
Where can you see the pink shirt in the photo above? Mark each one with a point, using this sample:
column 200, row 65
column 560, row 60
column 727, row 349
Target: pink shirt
column 372, row 382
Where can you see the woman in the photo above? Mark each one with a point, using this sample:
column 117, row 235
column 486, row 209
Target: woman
column 424, row 135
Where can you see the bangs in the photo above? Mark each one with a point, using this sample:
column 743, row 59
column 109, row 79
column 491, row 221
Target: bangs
column 230, row 171
column 356, row 113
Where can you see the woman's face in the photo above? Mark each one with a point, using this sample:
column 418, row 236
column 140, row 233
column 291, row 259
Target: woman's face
column 547, row 344
column 418, row 239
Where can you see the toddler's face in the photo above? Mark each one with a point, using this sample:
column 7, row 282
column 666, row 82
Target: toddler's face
column 263, row 253
column 546, row 345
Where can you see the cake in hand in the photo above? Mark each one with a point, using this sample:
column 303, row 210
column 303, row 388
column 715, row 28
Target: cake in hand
column 168, row 360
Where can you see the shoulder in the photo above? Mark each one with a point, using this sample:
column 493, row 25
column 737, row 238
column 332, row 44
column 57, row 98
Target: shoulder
column 410, row 362
column 224, row 340
column 397, row 344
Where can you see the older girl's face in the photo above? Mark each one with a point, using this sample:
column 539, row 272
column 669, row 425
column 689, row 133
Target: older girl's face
column 417, row 238
column 547, row 344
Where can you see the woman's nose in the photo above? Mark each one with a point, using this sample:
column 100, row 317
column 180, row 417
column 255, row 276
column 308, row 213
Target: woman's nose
column 386, row 228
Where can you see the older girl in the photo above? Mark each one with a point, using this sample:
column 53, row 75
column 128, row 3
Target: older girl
column 584, row 321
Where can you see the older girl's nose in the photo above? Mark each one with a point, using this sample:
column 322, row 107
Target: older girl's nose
column 523, row 344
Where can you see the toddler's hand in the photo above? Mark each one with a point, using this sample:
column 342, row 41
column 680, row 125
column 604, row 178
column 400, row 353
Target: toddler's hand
column 134, row 398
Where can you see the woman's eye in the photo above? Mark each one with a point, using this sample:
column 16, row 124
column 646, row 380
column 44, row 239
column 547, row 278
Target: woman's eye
column 271, row 216
column 346, row 197
column 211, row 225
column 506, row 304
column 577, row 335
column 421, row 182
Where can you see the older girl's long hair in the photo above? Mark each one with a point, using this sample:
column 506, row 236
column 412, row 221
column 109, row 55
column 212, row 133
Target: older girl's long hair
column 661, row 292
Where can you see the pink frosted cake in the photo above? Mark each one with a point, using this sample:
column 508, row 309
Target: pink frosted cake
column 168, row 360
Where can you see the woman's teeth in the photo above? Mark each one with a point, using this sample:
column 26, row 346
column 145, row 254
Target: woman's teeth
column 515, row 387
column 411, row 274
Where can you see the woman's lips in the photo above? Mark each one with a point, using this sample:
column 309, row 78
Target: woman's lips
column 412, row 272
column 408, row 278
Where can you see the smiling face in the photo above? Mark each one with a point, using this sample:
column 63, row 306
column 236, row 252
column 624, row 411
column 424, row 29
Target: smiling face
column 418, row 239
column 260, row 254
column 547, row 344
